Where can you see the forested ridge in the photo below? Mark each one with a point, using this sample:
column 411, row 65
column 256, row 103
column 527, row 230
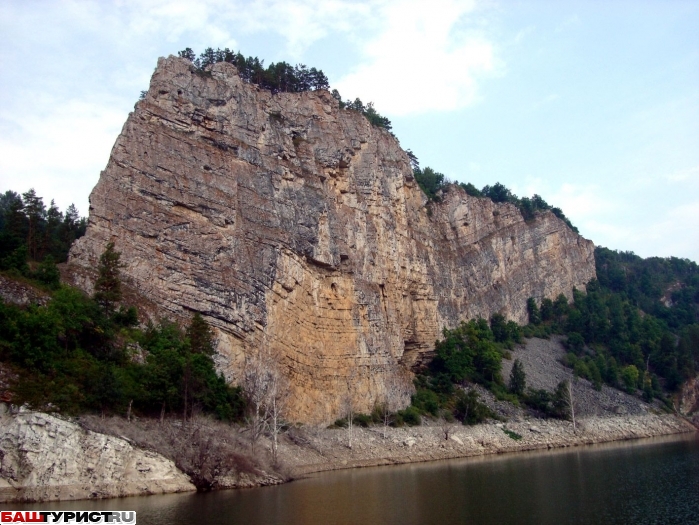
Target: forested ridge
column 280, row 77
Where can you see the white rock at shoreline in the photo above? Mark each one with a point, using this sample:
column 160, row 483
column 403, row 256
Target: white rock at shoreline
column 45, row 458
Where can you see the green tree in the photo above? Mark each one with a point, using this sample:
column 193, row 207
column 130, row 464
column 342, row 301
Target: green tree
column 533, row 311
column 518, row 379
column 36, row 216
column 547, row 309
column 201, row 340
column 48, row 273
column 430, row 181
column 629, row 375
column 108, row 285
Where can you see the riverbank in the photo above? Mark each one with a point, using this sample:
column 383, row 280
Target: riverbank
column 325, row 449
column 45, row 458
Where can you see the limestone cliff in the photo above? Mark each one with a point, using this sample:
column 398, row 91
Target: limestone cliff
column 293, row 225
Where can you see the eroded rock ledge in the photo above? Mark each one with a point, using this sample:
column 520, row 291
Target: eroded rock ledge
column 296, row 226
column 45, row 458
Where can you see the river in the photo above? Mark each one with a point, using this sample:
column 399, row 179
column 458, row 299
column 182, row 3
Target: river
column 652, row 481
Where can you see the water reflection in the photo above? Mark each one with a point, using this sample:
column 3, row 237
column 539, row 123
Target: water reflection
column 653, row 481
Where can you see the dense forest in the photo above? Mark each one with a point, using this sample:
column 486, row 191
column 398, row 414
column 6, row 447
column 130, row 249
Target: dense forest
column 636, row 327
column 280, row 77
column 80, row 353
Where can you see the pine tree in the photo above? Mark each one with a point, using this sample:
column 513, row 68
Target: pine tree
column 533, row 311
column 200, row 336
column 36, row 214
column 108, row 284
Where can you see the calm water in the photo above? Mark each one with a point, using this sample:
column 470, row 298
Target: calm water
column 649, row 482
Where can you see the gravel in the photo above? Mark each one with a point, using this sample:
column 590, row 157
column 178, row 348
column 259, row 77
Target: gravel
column 542, row 361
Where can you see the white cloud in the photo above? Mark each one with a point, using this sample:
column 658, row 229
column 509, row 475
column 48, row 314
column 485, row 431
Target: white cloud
column 422, row 60
column 59, row 150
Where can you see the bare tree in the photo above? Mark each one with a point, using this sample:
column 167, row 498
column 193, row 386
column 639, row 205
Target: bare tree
column 396, row 388
column 447, row 424
column 571, row 403
column 348, row 403
column 267, row 390
column 277, row 400
column 564, row 403
column 256, row 385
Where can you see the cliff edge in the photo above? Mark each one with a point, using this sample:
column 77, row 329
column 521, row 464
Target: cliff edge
column 295, row 226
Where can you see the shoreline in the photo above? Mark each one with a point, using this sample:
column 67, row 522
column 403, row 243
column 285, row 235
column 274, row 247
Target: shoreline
column 127, row 470
column 427, row 443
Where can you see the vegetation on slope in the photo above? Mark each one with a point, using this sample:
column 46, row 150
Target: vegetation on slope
column 637, row 327
column 80, row 354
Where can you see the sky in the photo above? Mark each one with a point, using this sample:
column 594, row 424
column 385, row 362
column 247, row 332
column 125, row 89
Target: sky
column 594, row 105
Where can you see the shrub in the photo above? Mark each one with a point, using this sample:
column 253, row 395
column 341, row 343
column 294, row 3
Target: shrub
column 362, row 420
column 410, row 416
column 469, row 410
column 426, row 401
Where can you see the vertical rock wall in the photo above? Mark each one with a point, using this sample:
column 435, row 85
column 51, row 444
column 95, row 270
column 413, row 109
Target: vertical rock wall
column 295, row 226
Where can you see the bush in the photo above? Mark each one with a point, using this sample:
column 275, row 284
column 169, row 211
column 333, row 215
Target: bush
column 469, row 410
column 426, row 401
column 410, row 416
column 539, row 400
column 575, row 343
column 362, row 420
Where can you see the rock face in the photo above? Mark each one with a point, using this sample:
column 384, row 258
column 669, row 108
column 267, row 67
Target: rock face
column 295, row 226
column 44, row 458
column 688, row 399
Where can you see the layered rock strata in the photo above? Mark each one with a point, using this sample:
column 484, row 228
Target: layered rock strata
column 296, row 227
column 45, row 458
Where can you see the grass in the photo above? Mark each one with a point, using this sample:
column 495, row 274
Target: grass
column 513, row 435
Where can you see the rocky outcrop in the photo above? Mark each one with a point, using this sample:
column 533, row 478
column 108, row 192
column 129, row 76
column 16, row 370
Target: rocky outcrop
column 14, row 291
column 688, row 400
column 45, row 458
column 296, row 226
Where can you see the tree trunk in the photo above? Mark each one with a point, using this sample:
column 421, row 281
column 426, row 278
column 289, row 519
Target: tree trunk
column 572, row 404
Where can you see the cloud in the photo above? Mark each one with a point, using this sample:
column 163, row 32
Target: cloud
column 58, row 150
column 423, row 59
